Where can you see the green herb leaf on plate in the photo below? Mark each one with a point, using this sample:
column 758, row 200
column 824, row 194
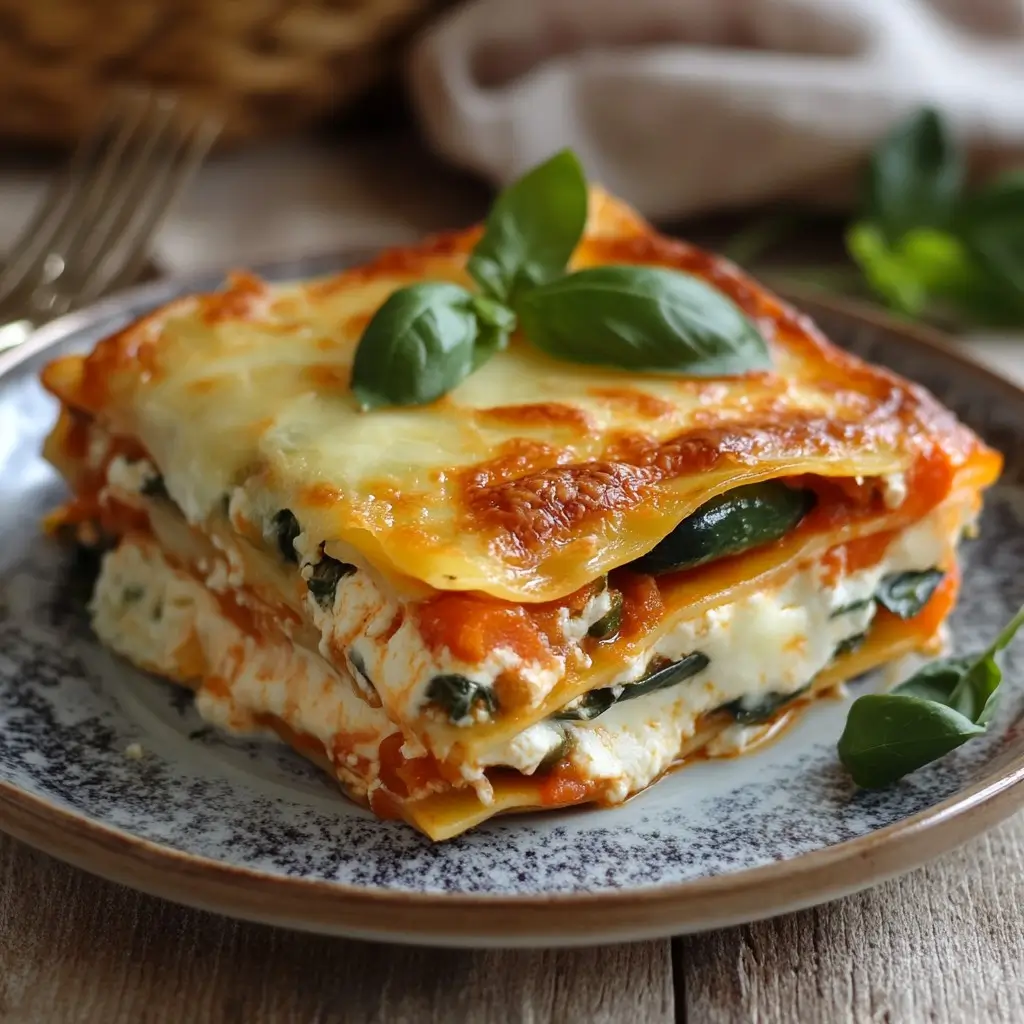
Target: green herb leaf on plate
column 418, row 346
column 914, row 177
column 642, row 318
column 532, row 229
column 889, row 735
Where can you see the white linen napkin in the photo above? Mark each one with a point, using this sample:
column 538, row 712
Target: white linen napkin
column 687, row 105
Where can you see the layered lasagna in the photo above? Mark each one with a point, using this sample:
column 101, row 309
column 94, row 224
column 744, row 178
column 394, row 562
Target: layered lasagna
column 546, row 588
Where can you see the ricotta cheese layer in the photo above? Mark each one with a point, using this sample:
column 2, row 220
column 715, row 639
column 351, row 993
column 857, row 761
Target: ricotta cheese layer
column 771, row 642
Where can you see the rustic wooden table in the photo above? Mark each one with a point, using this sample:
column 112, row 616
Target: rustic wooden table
column 943, row 943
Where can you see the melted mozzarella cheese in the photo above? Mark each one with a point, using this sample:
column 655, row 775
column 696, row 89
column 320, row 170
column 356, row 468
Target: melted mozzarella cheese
column 531, row 478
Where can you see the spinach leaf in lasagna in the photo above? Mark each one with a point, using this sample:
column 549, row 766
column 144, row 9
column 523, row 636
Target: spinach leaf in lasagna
column 458, row 696
column 608, row 625
column 889, row 735
column 906, row 593
column 762, row 708
column 660, row 677
column 532, row 229
column 648, row 319
column 286, row 529
column 324, row 578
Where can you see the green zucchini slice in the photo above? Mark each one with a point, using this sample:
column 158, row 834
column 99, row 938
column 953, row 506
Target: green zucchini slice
column 743, row 518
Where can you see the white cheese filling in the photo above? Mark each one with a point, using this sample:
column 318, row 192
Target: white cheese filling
column 768, row 642
column 166, row 621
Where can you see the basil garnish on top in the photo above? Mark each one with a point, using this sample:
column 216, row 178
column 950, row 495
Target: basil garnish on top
column 418, row 346
column 642, row 318
column 427, row 338
column 532, row 229
column 889, row 735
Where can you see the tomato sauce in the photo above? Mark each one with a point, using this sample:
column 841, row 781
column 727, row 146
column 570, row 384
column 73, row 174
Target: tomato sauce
column 471, row 626
column 564, row 786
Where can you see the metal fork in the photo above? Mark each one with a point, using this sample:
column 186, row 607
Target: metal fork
column 92, row 231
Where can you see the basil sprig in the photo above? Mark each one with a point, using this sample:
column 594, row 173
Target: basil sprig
column 642, row 318
column 418, row 347
column 427, row 338
column 889, row 735
column 914, row 177
column 927, row 246
column 924, row 241
column 532, row 229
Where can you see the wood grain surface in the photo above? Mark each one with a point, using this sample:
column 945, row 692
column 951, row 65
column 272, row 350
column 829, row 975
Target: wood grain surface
column 945, row 943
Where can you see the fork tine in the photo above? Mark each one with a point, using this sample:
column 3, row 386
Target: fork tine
column 115, row 182
column 36, row 236
column 79, row 212
column 133, row 180
column 129, row 246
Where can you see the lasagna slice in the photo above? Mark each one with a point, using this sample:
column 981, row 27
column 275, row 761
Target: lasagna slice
column 547, row 587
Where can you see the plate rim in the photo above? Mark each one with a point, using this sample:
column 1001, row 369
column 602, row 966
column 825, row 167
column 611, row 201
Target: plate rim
column 553, row 919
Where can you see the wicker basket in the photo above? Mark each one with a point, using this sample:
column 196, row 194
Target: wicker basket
column 267, row 65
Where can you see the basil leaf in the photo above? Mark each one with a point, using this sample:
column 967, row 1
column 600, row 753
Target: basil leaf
column 495, row 323
column 936, row 680
column 889, row 735
column 532, row 229
column 418, row 346
column 906, row 593
column 914, row 177
column 978, row 686
column 458, row 696
column 992, row 226
column 642, row 318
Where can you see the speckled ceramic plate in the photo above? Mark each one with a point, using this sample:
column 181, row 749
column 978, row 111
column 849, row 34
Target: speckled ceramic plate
column 248, row 828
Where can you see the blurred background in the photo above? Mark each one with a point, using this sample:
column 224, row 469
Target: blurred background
column 746, row 125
